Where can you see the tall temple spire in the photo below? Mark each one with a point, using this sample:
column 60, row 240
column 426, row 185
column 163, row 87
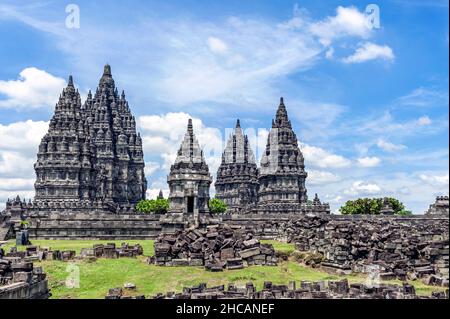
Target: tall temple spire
column 281, row 118
column 70, row 82
column 190, row 128
column 107, row 70
column 190, row 150
column 282, row 164
column 237, row 180
column 107, row 77
column 99, row 133
column 189, row 177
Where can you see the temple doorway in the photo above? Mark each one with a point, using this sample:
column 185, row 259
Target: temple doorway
column 190, row 204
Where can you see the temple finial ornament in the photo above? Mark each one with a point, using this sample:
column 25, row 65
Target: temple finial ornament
column 70, row 82
column 107, row 70
column 190, row 127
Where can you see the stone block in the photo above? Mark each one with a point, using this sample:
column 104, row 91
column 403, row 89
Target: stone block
column 249, row 252
column 180, row 262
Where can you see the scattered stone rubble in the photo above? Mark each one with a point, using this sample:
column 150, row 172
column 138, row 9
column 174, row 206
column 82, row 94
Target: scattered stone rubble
column 121, row 293
column 390, row 248
column 19, row 279
column 307, row 290
column 34, row 253
column 215, row 247
column 111, row 251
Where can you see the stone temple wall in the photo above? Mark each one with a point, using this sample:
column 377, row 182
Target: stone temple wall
column 87, row 225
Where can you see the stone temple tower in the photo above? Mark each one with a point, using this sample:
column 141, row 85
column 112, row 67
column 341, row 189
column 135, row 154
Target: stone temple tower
column 189, row 179
column 64, row 160
column 91, row 153
column 282, row 173
column 237, row 180
column 119, row 165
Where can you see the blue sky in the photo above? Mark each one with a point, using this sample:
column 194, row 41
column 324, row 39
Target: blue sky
column 369, row 104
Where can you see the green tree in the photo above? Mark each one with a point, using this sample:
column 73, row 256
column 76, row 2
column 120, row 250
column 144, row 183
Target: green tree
column 372, row 206
column 159, row 206
column 405, row 213
column 217, row 206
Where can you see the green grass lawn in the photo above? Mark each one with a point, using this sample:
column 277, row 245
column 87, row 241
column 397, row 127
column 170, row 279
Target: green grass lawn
column 97, row 277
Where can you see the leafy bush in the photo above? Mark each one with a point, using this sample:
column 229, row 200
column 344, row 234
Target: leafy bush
column 24, row 224
column 405, row 213
column 372, row 206
column 217, row 206
column 159, row 206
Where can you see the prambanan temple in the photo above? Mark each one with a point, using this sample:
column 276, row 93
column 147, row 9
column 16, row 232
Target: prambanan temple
column 90, row 175
column 91, row 154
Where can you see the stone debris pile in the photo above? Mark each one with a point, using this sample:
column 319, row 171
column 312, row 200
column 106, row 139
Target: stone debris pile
column 306, row 290
column 389, row 248
column 215, row 247
column 110, row 250
column 19, row 279
column 124, row 293
column 35, row 253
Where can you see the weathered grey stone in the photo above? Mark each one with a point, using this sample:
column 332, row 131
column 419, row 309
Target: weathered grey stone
column 189, row 178
column 216, row 247
column 91, row 153
column 237, row 176
column 440, row 206
column 249, row 252
column 308, row 290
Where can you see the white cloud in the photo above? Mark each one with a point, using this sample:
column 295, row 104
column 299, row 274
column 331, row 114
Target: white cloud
column 370, row 51
column 216, row 45
column 257, row 53
column 240, row 61
column 150, row 168
column 18, row 147
column 389, row 147
column 162, row 134
column 424, row 97
column 368, row 161
column 436, row 180
column 316, row 177
column 35, row 88
column 348, row 21
column 318, row 157
column 424, row 120
column 360, row 188
column 15, row 164
column 386, row 125
column 22, row 135
column 15, row 184
column 330, row 53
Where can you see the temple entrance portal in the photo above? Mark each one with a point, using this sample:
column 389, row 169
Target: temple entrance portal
column 190, row 204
